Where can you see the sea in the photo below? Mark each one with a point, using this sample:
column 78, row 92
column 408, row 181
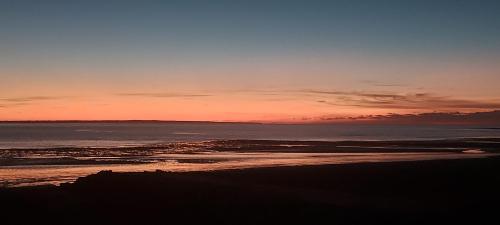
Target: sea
column 42, row 153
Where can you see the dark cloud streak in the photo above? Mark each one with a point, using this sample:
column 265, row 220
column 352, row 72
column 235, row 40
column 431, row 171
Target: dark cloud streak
column 163, row 95
column 399, row 101
column 30, row 99
column 379, row 84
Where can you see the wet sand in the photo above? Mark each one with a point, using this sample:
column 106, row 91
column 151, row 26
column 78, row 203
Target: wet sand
column 23, row 167
column 458, row 191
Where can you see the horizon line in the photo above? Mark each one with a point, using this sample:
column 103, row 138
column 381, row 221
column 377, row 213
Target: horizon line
column 134, row 120
column 421, row 118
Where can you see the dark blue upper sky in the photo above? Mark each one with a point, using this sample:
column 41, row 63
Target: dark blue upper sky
column 262, row 26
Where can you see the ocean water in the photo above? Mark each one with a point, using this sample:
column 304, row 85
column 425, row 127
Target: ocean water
column 49, row 135
column 53, row 153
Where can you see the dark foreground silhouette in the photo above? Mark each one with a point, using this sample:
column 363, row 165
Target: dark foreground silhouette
column 465, row 191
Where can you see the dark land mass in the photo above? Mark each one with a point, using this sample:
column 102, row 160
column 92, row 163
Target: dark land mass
column 463, row 191
column 122, row 121
column 435, row 118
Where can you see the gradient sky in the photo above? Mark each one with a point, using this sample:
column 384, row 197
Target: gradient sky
column 246, row 60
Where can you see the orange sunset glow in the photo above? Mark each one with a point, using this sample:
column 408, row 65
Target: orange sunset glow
column 290, row 91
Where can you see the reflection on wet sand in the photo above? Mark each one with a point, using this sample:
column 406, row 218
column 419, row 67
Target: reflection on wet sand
column 205, row 161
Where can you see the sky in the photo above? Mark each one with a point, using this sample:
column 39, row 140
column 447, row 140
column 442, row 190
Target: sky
column 275, row 61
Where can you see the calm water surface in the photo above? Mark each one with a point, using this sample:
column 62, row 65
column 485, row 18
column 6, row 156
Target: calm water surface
column 38, row 135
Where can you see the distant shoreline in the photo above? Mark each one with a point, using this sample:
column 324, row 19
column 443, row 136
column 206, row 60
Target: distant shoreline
column 483, row 119
column 123, row 121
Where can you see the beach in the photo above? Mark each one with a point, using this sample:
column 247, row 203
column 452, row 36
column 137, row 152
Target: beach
column 195, row 173
column 56, row 165
column 455, row 191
